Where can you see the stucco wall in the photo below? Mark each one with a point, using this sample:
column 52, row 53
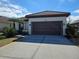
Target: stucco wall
column 48, row 19
column 26, row 25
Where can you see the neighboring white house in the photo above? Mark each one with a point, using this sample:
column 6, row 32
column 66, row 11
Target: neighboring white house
column 47, row 23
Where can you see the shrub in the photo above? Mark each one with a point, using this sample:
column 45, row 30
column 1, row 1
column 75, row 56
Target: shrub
column 1, row 33
column 25, row 32
column 2, row 37
column 70, row 30
column 9, row 32
column 77, row 35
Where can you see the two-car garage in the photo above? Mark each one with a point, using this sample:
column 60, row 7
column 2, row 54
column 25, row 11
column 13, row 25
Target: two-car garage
column 47, row 28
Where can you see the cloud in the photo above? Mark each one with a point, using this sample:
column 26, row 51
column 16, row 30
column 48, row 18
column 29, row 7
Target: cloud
column 76, row 11
column 74, row 16
column 12, row 10
column 72, row 19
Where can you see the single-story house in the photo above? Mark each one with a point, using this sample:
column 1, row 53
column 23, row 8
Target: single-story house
column 47, row 23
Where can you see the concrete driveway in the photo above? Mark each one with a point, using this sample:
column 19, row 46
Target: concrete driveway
column 40, row 47
column 46, row 39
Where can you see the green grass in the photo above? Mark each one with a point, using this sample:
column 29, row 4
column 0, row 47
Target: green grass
column 6, row 41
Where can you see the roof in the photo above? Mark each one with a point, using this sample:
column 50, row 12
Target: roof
column 4, row 19
column 48, row 14
column 23, row 18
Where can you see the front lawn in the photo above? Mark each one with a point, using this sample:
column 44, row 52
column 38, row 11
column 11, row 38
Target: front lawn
column 7, row 36
column 6, row 41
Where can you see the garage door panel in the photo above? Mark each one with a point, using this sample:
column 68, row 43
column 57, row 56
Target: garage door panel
column 47, row 28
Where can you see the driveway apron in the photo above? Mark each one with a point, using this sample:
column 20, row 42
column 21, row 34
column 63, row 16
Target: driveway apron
column 40, row 47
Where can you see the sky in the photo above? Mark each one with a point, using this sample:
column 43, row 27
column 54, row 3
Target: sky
column 20, row 8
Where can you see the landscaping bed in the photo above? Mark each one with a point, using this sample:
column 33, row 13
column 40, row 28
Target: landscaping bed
column 6, row 41
column 75, row 39
column 72, row 33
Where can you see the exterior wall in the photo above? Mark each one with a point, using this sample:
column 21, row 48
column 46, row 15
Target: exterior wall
column 47, row 19
column 2, row 25
column 16, row 26
column 25, row 25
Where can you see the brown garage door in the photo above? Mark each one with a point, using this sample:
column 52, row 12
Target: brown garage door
column 47, row 28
